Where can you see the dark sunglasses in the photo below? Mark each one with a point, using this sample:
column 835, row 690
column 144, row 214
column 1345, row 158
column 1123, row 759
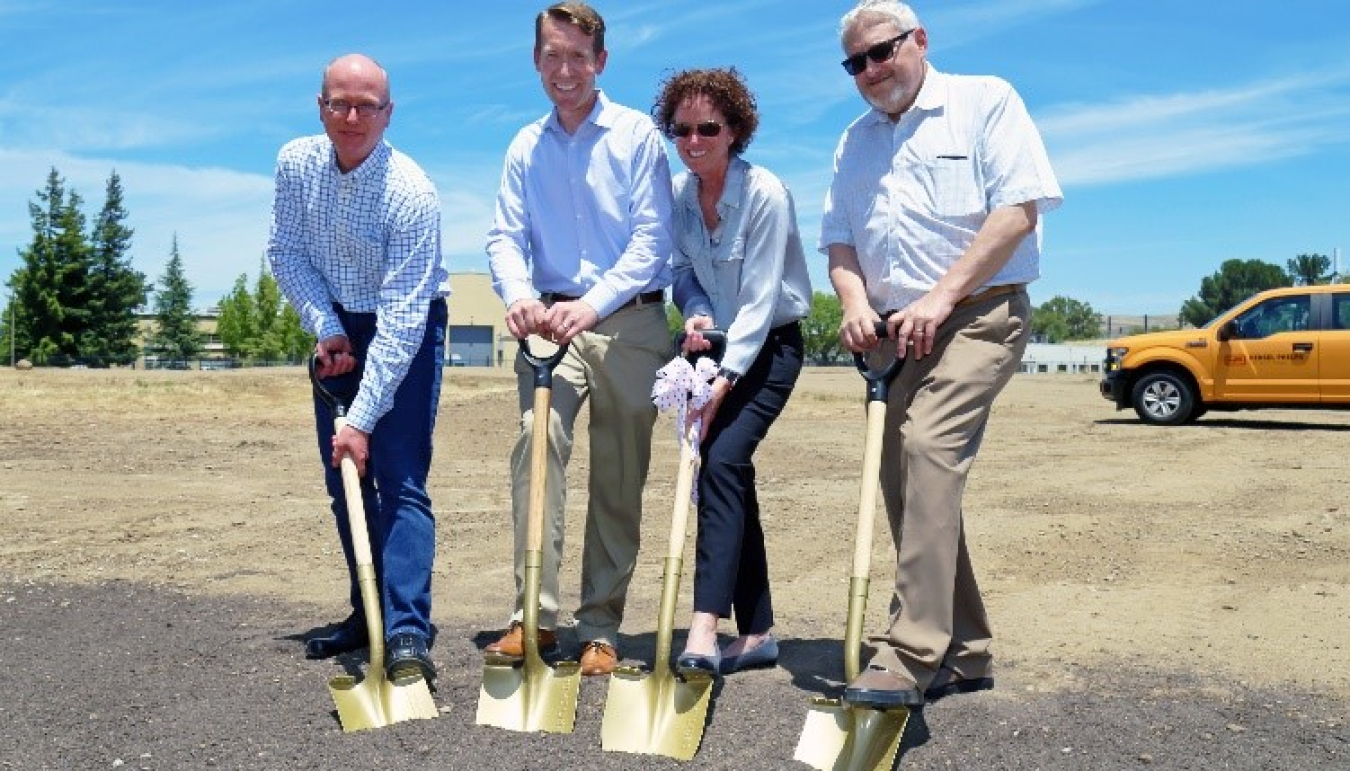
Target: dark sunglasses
column 855, row 64
column 708, row 128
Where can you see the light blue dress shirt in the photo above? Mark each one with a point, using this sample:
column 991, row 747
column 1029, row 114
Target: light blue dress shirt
column 584, row 214
column 369, row 240
column 910, row 195
column 750, row 274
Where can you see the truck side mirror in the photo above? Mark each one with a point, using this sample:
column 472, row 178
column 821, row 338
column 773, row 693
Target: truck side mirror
column 1227, row 332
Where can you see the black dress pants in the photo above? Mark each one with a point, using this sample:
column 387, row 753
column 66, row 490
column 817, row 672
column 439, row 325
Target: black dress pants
column 731, row 569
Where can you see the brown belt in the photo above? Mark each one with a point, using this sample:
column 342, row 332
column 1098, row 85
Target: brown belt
column 989, row 294
column 646, row 298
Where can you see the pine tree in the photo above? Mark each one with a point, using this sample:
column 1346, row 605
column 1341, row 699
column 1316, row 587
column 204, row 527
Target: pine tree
column 50, row 290
column 115, row 289
column 176, row 337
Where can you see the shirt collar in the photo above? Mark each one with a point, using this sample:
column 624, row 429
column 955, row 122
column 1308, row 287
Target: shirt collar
column 370, row 166
column 602, row 114
column 931, row 97
column 732, row 188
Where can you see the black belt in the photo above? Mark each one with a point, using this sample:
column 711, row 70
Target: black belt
column 646, row 298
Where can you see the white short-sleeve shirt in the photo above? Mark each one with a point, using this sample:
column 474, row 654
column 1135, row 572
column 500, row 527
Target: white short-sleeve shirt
column 910, row 195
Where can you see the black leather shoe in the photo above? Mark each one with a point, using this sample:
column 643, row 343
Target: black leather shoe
column 406, row 659
column 349, row 636
column 948, row 682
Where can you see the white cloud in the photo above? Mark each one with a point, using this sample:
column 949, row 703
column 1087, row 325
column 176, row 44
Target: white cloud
column 1168, row 135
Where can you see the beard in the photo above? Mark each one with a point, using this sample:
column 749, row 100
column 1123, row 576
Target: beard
column 892, row 101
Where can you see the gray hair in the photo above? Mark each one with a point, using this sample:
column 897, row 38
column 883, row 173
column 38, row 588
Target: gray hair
column 892, row 10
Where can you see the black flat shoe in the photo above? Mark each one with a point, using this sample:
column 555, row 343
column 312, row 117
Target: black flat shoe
column 407, row 659
column 763, row 655
column 698, row 663
column 350, row 636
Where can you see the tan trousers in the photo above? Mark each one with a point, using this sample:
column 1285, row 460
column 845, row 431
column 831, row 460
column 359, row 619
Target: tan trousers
column 614, row 367
column 935, row 421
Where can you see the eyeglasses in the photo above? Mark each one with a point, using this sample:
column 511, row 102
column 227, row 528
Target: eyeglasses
column 342, row 109
column 883, row 51
column 708, row 128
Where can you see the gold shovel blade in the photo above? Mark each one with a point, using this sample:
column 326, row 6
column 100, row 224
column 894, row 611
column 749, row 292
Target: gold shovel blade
column 655, row 713
column 838, row 737
column 529, row 695
column 376, row 701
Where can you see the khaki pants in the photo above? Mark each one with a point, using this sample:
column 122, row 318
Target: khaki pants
column 935, row 421
column 614, row 366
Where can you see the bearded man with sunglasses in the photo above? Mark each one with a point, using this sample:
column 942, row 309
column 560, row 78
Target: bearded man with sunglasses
column 355, row 246
column 932, row 223
column 580, row 253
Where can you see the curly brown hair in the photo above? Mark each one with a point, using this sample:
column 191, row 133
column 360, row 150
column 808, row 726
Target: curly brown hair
column 727, row 91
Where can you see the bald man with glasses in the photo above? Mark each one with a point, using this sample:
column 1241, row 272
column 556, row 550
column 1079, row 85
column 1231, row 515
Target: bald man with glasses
column 355, row 246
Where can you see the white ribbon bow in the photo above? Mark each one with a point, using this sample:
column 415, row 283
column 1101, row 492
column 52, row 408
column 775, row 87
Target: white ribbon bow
column 680, row 385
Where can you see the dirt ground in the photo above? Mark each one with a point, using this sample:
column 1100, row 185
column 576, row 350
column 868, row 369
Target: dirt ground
column 1175, row 597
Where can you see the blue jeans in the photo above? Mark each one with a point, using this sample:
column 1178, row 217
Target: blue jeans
column 398, row 510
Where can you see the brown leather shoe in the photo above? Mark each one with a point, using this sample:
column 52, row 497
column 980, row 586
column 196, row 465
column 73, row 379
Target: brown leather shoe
column 512, row 643
column 598, row 658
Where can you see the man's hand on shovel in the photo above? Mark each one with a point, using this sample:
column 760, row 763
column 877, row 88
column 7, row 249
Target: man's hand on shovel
column 354, row 442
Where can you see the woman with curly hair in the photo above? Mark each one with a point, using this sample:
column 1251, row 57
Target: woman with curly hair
column 739, row 267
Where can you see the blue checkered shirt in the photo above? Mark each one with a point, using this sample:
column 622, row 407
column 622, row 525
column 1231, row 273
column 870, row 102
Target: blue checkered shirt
column 369, row 240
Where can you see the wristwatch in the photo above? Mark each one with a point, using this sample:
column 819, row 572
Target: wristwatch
column 729, row 376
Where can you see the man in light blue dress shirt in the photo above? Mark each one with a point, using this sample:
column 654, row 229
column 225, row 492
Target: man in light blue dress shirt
column 579, row 251
column 355, row 245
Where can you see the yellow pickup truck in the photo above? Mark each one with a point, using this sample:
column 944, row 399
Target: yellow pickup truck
column 1285, row 348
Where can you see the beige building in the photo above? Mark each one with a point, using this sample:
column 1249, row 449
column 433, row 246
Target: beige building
column 478, row 334
column 477, row 328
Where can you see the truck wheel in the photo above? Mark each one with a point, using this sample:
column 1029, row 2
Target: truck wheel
column 1163, row 399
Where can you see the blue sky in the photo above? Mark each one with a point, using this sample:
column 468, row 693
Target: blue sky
column 1183, row 133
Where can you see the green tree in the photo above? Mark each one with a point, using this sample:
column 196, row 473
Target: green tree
column 260, row 325
column 176, row 337
column 820, row 329
column 1235, row 281
column 1064, row 318
column 115, row 290
column 50, row 286
column 674, row 320
column 236, row 325
column 7, row 342
column 296, row 344
column 1308, row 269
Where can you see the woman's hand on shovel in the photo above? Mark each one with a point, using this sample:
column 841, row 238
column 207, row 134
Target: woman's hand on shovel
column 720, row 388
column 354, row 442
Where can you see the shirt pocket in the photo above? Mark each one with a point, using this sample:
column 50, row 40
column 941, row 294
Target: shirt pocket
column 955, row 189
column 727, row 264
